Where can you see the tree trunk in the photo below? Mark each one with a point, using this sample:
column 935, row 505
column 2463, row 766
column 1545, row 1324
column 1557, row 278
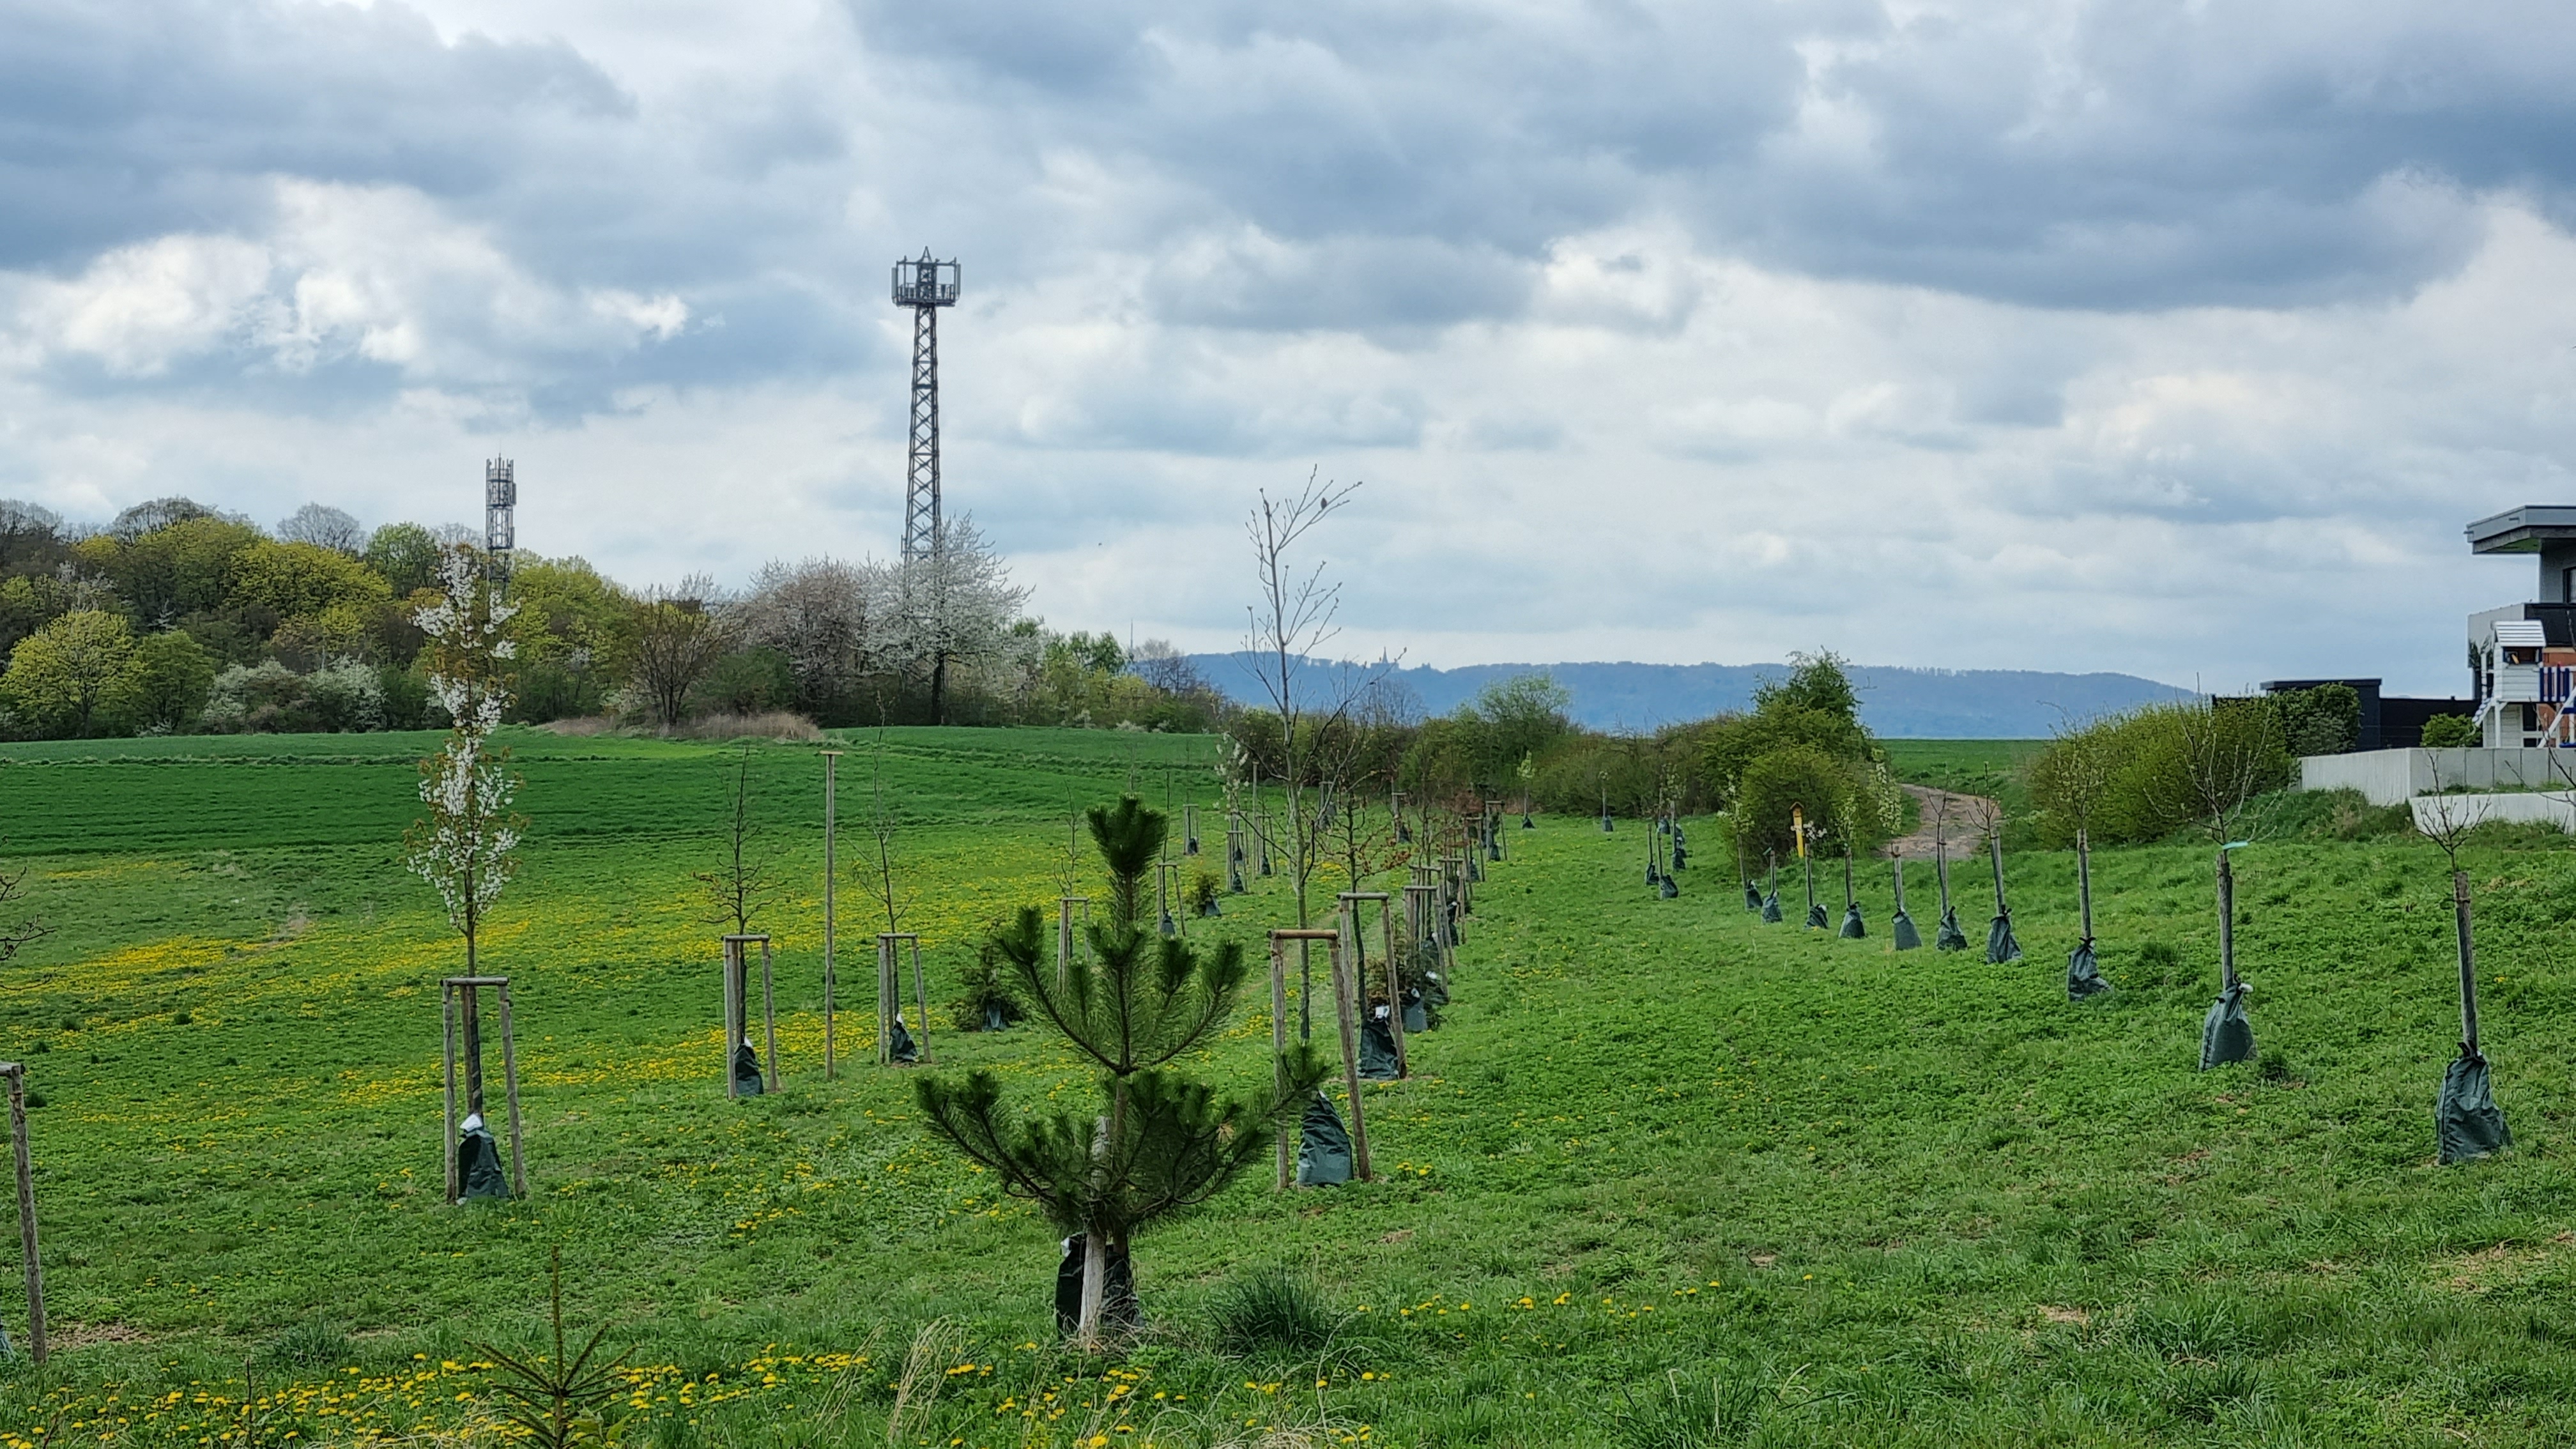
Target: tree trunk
column 1095, row 1242
column 1095, row 1280
column 2468, row 965
column 2084, row 877
column 939, row 692
column 472, row 1024
column 2226, row 923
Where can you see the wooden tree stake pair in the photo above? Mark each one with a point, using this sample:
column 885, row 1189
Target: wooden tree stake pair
column 737, row 1007
column 1350, row 925
column 890, row 947
column 37, row 1345
column 1350, row 1045
column 461, row 1004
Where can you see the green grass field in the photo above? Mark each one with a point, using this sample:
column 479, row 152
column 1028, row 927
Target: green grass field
column 1664, row 1177
column 1976, row 767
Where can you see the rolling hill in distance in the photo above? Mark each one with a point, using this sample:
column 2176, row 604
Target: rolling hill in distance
column 1897, row 703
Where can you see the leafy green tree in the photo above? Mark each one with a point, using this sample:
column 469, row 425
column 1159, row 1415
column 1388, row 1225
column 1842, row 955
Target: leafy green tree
column 1820, row 681
column 1813, row 708
column 405, row 556
column 173, row 570
column 1515, row 719
column 1440, row 763
column 72, row 674
column 1163, row 1143
column 28, row 603
column 171, row 676
column 303, row 579
column 668, row 641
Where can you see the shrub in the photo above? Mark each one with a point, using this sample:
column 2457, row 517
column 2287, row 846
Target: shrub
column 1778, row 786
column 247, row 698
column 344, row 697
column 2450, row 732
column 988, row 990
column 2325, row 720
column 750, row 682
column 2149, row 790
column 1274, row 1311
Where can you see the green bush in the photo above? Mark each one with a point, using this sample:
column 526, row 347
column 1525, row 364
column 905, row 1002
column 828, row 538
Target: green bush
column 2157, row 764
column 2450, row 732
column 987, row 985
column 2325, row 720
column 1776, row 788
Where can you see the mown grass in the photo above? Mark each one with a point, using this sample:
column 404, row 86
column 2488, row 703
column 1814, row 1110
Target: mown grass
column 1992, row 768
column 1665, row 1176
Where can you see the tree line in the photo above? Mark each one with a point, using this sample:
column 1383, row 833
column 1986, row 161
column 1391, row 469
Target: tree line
column 176, row 618
column 1799, row 753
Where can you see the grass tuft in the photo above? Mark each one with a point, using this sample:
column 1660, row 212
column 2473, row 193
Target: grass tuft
column 1274, row 1311
column 311, row 1344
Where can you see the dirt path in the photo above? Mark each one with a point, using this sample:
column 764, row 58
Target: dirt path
column 1961, row 838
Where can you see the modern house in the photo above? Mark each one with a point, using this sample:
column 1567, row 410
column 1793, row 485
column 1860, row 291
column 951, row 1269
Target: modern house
column 2522, row 657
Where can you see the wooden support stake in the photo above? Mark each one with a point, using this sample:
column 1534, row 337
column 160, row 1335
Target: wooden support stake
column 831, row 879
column 510, row 1089
column 1279, row 1045
column 1064, row 934
column 889, row 999
column 1350, row 1062
column 769, row 1011
column 736, row 1012
column 447, row 1025
column 920, row 1003
column 37, row 1344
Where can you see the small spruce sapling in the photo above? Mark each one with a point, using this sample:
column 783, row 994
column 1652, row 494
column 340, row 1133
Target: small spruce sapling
column 1162, row 1143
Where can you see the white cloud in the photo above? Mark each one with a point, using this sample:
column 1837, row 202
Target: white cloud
column 372, row 274
column 2178, row 340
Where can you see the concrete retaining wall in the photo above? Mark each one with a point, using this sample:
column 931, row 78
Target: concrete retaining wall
column 2392, row 777
column 2520, row 807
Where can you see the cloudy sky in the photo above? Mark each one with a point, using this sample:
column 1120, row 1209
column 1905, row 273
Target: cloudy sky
column 2165, row 337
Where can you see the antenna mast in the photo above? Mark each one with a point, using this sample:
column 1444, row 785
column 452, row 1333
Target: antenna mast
column 925, row 285
column 500, row 525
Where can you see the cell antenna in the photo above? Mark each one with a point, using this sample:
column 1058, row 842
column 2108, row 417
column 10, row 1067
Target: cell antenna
column 925, row 285
column 500, row 527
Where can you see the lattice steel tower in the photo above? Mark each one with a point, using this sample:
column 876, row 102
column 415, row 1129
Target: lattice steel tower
column 500, row 526
column 925, row 286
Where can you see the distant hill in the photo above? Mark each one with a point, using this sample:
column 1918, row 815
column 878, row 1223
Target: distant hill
column 1975, row 704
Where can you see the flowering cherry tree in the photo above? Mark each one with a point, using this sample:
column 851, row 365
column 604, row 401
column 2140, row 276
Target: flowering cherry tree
column 465, row 846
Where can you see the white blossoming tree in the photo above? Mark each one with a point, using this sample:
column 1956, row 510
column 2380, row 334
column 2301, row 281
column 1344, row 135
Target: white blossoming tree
column 465, row 846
